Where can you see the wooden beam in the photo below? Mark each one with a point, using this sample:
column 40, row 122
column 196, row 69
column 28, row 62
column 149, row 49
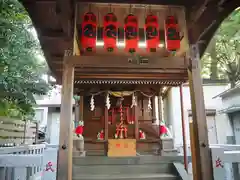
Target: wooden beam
column 76, row 48
column 64, row 168
column 126, row 3
column 212, row 14
column 202, row 160
column 91, row 70
column 198, row 9
column 127, row 62
column 48, row 32
column 64, row 10
column 162, row 76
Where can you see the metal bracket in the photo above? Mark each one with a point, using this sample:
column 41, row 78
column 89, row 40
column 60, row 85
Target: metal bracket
column 68, row 53
column 138, row 60
column 194, row 64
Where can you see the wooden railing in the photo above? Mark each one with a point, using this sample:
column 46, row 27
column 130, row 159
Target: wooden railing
column 15, row 132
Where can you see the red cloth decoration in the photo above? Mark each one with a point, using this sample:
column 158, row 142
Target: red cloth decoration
column 101, row 135
column 79, row 130
column 110, row 31
column 163, row 129
column 131, row 33
column 172, row 38
column 141, row 135
column 89, row 32
column 152, row 33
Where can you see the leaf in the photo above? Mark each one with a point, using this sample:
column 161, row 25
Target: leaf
column 21, row 70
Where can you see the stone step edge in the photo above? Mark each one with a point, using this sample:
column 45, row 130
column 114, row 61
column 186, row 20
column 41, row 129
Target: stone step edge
column 129, row 176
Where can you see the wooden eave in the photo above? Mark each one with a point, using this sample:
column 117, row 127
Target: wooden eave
column 123, row 70
column 54, row 22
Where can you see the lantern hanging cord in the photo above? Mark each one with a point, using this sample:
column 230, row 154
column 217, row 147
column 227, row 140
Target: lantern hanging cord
column 145, row 12
column 150, row 9
column 130, row 9
column 98, row 17
column 90, row 7
column 110, row 8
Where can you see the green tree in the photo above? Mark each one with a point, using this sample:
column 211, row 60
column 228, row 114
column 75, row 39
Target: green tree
column 222, row 57
column 21, row 68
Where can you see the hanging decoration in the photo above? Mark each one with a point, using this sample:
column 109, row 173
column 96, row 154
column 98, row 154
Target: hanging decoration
column 142, row 135
column 131, row 119
column 134, row 102
column 100, row 135
column 172, row 37
column 79, row 129
column 89, row 32
column 119, row 94
column 152, row 33
column 149, row 104
column 108, row 105
column 131, row 33
column 92, row 106
column 121, row 128
column 110, row 31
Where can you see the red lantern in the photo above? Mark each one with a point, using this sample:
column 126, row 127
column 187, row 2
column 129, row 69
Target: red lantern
column 110, row 30
column 89, row 32
column 152, row 33
column 172, row 38
column 131, row 33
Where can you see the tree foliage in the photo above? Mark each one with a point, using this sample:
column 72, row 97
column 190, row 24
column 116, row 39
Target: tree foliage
column 222, row 57
column 21, row 68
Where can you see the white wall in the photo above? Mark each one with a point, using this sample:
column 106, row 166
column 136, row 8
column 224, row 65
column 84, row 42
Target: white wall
column 52, row 99
column 173, row 110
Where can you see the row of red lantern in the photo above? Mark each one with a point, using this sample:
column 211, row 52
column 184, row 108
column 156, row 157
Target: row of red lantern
column 110, row 31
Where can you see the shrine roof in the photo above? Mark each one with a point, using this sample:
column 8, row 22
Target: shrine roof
column 54, row 22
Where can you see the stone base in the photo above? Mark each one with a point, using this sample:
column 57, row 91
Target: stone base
column 78, row 145
column 169, row 152
column 167, row 143
column 79, row 154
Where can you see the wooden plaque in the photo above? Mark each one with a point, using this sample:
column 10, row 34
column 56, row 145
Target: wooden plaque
column 121, row 147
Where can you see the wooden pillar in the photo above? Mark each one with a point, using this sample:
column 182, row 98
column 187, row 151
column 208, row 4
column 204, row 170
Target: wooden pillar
column 81, row 108
column 136, row 115
column 160, row 108
column 106, row 123
column 183, row 130
column 154, row 118
column 201, row 156
column 64, row 164
column 77, row 113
